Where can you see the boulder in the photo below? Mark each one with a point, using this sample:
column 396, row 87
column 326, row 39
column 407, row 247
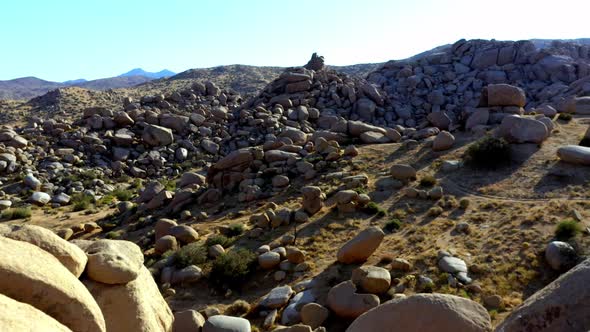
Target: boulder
column 163, row 227
column 70, row 255
column 346, row 303
column 33, row 276
column 136, row 306
column 560, row 306
column 425, row 313
column 439, row 120
column 358, row 249
column 157, row 136
column 187, row 321
column 184, row 234
column 560, row 255
column 523, row 130
column 269, row 260
column 312, row 199
column 443, row 141
column 17, row 316
column 578, row 105
column 574, row 154
column 277, row 298
column 314, row 314
column 372, row 279
column 40, row 198
column 478, row 118
column 222, row 323
column 113, row 261
column 505, row 95
column 402, row 172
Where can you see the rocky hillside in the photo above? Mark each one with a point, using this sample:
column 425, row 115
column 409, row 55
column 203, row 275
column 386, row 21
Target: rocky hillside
column 453, row 185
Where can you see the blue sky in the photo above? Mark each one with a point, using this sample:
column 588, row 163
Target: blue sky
column 61, row 40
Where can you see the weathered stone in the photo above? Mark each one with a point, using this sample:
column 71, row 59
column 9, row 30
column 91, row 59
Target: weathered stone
column 113, row 261
column 444, row 312
column 34, row 276
column 358, row 249
column 346, row 303
column 71, row 256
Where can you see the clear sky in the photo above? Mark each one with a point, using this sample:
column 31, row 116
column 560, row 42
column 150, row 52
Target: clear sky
column 68, row 39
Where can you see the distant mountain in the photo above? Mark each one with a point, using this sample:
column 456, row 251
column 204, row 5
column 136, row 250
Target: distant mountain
column 140, row 72
column 74, row 82
column 26, row 88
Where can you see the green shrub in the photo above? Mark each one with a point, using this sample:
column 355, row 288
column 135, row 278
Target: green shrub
column 393, row 225
column 123, row 195
column 434, row 211
column 428, row 181
column 238, row 309
column 374, row 209
column 235, row 230
column 565, row 117
column 567, row 229
column 464, row 203
column 488, row 152
column 191, row 254
column 223, row 240
column 80, row 202
column 17, row 213
column 233, row 267
column 113, row 235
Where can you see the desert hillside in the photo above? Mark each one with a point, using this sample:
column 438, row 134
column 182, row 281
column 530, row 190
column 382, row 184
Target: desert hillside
column 444, row 192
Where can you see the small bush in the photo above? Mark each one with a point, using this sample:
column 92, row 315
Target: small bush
column 374, row 209
column 567, row 229
column 428, row 181
column 17, row 213
column 238, row 309
column 81, row 202
column 123, row 195
column 191, row 254
column 565, row 117
column 464, row 203
column 434, row 211
column 488, row 152
column 223, row 240
column 233, row 267
column 393, row 225
column 113, row 235
column 235, row 230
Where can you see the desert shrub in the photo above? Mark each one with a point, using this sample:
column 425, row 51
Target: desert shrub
column 565, row 117
column 374, row 209
column 434, row 211
column 113, row 235
column 17, row 213
column 361, row 190
column 233, row 267
column 567, row 229
column 191, row 254
column 238, row 309
column 428, row 181
column 488, row 152
column 123, row 195
column 81, row 202
column 464, row 203
column 235, row 230
column 393, row 225
column 223, row 240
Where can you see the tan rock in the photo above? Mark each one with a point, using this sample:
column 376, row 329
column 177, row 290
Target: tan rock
column 188, row 321
column 17, row 316
column 372, row 279
column 314, row 315
column 358, row 249
column 505, row 95
column 136, row 306
column 32, row 275
column 346, row 303
column 425, row 313
column 70, row 255
column 113, row 261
